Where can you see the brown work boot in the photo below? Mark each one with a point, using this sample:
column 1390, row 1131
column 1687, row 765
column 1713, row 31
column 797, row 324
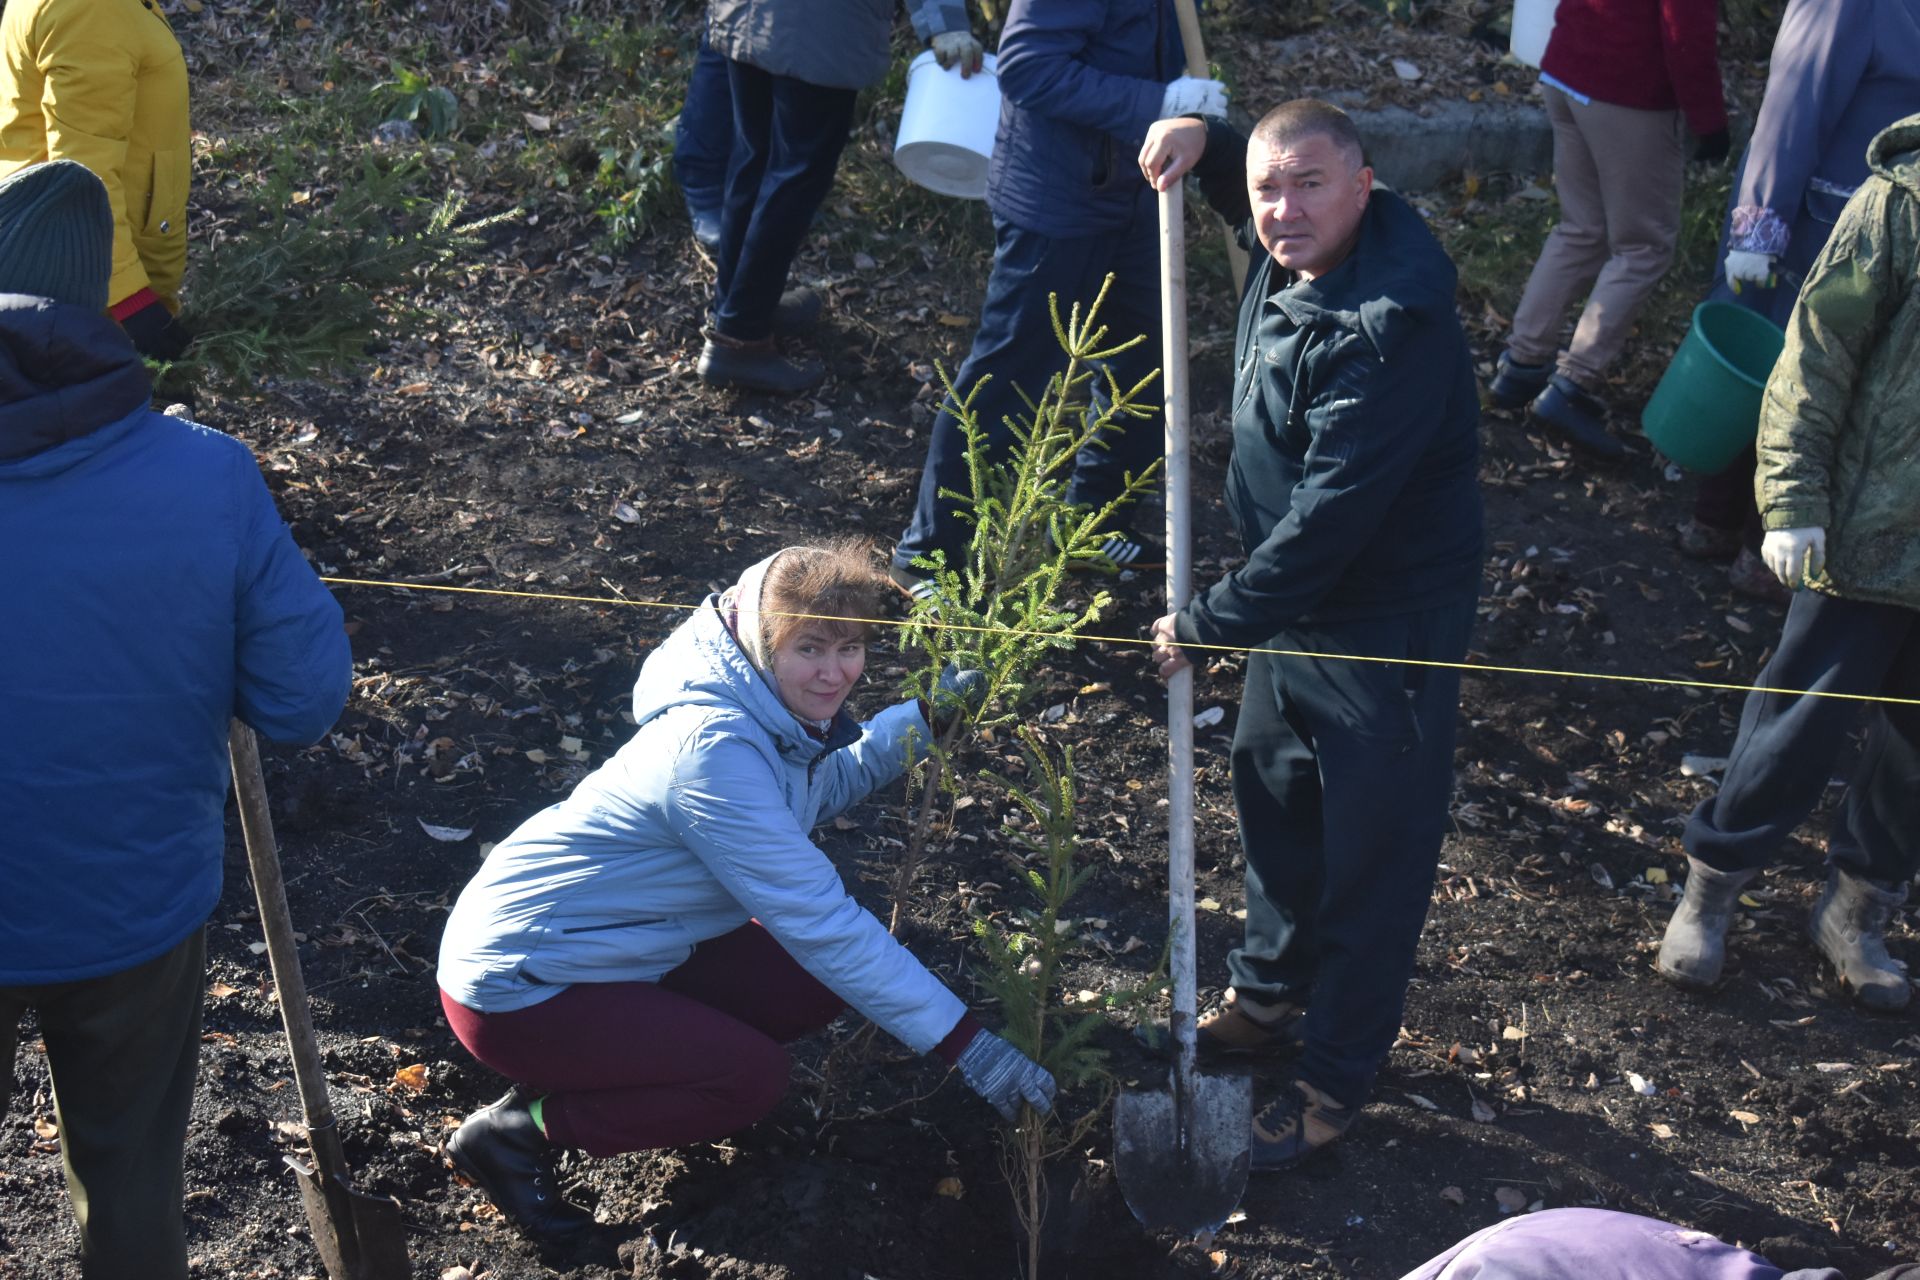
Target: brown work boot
column 755, row 366
column 1293, row 1126
column 1245, row 1027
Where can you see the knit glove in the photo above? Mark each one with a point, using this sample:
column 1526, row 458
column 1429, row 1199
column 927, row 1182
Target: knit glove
column 156, row 333
column 957, row 48
column 1188, row 96
column 1749, row 268
column 1796, row 556
column 1005, row 1077
column 960, row 691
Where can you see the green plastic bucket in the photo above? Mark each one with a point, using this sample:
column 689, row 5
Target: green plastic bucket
column 1707, row 406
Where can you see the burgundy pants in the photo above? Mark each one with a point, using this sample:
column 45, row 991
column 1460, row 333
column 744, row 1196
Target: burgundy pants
column 631, row 1066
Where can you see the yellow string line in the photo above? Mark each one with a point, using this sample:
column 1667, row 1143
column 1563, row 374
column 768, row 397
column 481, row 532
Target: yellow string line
column 1476, row 667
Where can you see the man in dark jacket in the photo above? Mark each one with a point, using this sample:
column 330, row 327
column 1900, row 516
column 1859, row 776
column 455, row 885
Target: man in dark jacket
column 152, row 594
column 1354, row 493
column 1080, row 81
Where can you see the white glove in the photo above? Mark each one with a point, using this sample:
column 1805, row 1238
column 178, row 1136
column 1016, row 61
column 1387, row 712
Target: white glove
column 1188, row 96
column 1749, row 268
column 1795, row 555
column 957, row 48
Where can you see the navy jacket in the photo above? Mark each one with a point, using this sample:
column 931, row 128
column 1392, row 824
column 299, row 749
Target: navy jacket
column 148, row 593
column 1353, row 484
column 1080, row 82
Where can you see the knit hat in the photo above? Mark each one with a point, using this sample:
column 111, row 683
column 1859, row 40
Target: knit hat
column 56, row 234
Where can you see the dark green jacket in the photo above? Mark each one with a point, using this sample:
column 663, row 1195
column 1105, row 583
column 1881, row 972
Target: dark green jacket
column 1840, row 425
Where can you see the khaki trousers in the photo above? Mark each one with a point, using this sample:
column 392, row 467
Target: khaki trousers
column 1620, row 173
column 123, row 1051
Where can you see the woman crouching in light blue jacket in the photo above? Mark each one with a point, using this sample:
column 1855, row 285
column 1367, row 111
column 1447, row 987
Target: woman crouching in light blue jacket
column 634, row 957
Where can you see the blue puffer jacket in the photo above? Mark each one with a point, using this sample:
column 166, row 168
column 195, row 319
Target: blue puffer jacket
column 151, row 593
column 1080, row 83
column 699, row 823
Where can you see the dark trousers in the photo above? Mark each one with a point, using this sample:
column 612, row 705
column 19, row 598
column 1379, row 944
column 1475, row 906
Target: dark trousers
column 1341, row 776
column 1724, row 500
column 787, row 138
column 1787, row 744
column 1015, row 344
column 703, row 137
column 633, row 1066
column 123, row 1051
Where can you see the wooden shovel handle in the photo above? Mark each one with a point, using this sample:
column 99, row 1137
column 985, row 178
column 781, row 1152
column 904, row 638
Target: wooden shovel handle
column 1196, row 49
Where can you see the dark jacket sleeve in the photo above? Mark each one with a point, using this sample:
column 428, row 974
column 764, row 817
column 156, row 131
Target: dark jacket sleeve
column 1371, row 422
column 1689, row 37
column 292, row 664
column 1041, row 71
column 1222, row 172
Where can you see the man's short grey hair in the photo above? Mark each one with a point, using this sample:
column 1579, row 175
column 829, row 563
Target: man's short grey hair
column 1303, row 118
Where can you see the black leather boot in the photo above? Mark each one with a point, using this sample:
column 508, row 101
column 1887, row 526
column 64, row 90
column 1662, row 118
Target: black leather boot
column 503, row 1150
column 756, row 366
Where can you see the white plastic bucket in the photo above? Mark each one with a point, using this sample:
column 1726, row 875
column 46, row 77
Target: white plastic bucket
column 1532, row 28
column 947, row 127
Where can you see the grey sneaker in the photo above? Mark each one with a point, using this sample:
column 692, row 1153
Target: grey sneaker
column 1694, row 949
column 1849, row 925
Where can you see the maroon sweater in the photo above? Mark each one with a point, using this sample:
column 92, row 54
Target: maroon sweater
column 1654, row 55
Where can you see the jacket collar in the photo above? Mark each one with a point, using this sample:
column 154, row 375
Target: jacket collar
column 65, row 372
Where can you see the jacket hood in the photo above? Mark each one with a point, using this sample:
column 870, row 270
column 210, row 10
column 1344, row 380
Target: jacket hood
column 701, row 664
column 1894, row 153
column 65, row 372
column 1396, row 276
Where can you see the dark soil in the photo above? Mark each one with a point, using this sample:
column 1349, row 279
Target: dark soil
column 505, row 452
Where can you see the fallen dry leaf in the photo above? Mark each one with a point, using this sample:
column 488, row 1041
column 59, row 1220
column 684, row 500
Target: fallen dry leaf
column 1509, row 1199
column 220, row 991
column 1453, row 1195
column 951, row 1188
column 1482, row 1112
column 1745, row 1117
column 1661, row 1130
column 46, row 1128
column 413, row 1078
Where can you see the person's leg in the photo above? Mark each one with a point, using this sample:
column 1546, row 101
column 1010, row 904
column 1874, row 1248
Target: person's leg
column 747, row 975
column 806, row 128
column 703, row 137
column 1015, row 346
column 1132, row 308
column 1877, row 832
column 750, row 102
column 123, row 1052
column 1574, row 249
column 1640, row 158
column 1787, row 743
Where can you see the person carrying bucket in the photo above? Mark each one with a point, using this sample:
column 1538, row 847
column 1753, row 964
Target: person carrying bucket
column 1839, row 471
column 1080, row 82
column 793, row 72
column 1842, row 70
column 1624, row 80
column 1355, row 494
column 635, row 957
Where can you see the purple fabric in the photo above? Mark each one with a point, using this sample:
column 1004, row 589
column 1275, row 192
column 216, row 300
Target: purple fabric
column 1599, row 1244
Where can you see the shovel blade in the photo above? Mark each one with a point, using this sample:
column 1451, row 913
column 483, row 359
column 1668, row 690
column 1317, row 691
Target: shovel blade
column 1181, row 1157
column 359, row 1237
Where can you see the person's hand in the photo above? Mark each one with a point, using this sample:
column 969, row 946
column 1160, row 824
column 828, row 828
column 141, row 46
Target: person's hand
column 1167, row 653
column 958, row 49
column 1189, row 96
column 1796, row 556
column 1173, row 147
column 1749, row 268
column 1712, row 148
column 156, row 333
column 1005, row 1077
column 960, row 691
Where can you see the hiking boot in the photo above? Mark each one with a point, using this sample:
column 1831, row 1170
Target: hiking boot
column 1700, row 541
column 1245, row 1027
column 1694, row 949
column 1578, row 416
column 1849, row 925
column 755, row 366
column 1514, row 383
column 502, row 1149
column 797, row 314
column 1749, row 576
column 1293, row 1126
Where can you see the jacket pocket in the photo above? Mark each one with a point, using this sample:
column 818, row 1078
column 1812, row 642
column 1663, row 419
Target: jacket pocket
column 168, row 180
column 617, row 924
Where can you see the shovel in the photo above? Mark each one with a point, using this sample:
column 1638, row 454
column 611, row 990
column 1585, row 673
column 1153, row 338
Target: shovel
column 360, row 1237
column 1181, row 1151
column 1189, row 20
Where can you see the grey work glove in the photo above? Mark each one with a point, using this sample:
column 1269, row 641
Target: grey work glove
column 958, row 49
column 1796, row 556
column 959, row 691
column 1005, row 1077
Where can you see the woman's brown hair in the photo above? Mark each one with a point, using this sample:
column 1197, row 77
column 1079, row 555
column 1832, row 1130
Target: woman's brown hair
column 832, row 584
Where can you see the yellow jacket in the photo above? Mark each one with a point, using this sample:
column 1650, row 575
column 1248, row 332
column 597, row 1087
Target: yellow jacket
column 103, row 82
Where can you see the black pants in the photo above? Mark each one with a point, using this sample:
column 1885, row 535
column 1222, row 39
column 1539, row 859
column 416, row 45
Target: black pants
column 123, row 1051
column 787, row 138
column 1786, row 747
column 1341, row 775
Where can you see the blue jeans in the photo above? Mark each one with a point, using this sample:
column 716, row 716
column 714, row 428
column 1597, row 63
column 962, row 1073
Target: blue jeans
column 787, row 138
column 1016, row 345
column 1786, row 746
column 703, row 138
column 1341, row 775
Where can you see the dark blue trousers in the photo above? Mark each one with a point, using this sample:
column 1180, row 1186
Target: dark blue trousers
column 1341, row 776
column 1786, row 746
column 703, row 138
column 787, row 138
column 1015, row 344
